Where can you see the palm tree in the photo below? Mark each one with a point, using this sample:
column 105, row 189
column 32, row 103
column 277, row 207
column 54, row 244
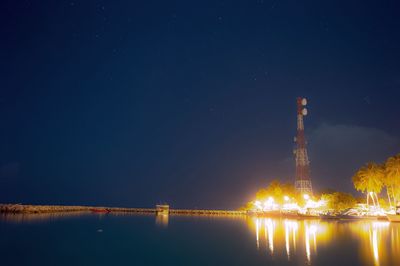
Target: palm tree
column 392, row 175
column 388, row 183
column 369, row 179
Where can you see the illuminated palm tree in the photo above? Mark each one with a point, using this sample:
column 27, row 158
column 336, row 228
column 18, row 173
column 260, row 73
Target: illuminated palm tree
column 389, row 183
column 392, row 175
column 369, row 179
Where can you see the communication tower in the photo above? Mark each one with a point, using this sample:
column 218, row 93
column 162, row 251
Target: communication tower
column 303, row 180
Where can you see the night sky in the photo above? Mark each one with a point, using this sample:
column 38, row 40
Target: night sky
column 193, row 103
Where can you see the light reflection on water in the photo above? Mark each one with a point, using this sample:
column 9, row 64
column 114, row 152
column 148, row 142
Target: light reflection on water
column 162, row 220
column 257, row 241
column 39, row 217
column 378, row 242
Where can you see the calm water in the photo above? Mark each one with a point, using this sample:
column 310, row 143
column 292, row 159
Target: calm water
column 92, row 239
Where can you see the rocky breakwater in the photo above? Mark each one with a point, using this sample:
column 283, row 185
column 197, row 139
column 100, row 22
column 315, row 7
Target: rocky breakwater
column 20, row 208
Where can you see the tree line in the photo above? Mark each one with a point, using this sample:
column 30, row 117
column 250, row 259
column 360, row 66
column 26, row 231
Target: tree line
column 373, row 178
column 335, row 200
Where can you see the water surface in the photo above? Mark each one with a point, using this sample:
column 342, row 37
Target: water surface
column 98, row 239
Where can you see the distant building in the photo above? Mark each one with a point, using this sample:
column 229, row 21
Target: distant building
column 162, row 209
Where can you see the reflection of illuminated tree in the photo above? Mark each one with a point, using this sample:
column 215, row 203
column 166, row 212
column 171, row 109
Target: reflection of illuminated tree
column 287, row 234
column 299, row 241
column 380, row 242
column 269, row 228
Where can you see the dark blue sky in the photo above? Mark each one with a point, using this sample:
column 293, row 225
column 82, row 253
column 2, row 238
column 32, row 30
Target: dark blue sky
column 130, row 103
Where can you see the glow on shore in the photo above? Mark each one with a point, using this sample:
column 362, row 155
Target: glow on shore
column 289, row 204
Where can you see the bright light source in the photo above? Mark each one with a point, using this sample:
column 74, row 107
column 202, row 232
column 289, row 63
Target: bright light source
column 271, row 199
column 306, row 196
column 258, row 205
column 290, row 207
column 286, row 198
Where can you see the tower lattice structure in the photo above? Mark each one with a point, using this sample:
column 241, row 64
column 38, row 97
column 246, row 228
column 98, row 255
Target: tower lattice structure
column 303, row 181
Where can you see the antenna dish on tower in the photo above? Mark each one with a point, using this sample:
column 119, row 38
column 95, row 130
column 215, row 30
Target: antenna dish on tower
column 304, row 111
column 304, row 101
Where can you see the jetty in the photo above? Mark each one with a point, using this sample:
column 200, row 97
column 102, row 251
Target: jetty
column 32, row 209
